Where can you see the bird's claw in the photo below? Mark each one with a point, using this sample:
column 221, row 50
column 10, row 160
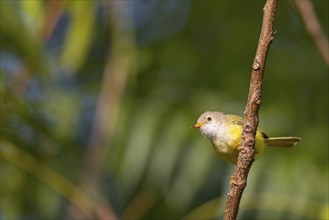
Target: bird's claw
column 232, row 180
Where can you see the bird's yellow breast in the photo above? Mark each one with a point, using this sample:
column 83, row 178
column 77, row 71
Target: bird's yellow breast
column 228, row 147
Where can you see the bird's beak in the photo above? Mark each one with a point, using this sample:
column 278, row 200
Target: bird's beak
column 197, row 125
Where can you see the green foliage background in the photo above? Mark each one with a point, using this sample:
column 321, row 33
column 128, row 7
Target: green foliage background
column 172, row 60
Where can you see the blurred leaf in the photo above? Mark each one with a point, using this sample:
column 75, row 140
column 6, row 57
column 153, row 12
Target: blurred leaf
column 32, row 14
column 17, row 36
column 47, row 175
column 78, row 40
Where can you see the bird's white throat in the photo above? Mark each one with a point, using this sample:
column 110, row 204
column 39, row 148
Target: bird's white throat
column 216, row 132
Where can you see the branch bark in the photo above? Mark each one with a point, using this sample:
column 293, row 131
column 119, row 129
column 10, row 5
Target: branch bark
column 247, row 153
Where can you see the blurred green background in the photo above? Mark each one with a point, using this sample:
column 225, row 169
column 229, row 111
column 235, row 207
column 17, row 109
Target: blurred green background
column 98, row 97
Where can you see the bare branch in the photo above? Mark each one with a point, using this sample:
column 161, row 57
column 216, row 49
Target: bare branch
column 314, row 28
column 247, row 153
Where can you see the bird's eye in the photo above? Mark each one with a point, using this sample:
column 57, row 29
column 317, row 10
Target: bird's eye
column 209, row 118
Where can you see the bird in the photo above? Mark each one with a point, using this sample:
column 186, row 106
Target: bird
column 225, row 134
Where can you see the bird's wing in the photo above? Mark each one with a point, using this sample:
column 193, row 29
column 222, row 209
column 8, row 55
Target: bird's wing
column 234, row 119
column 237, row 120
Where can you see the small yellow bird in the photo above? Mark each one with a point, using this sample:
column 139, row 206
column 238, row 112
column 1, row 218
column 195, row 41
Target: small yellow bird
column 225, row 133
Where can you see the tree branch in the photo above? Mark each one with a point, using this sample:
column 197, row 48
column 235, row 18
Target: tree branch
column 247, row 153
column 314, row 28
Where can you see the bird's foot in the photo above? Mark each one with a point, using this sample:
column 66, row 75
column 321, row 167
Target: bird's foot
column 232, row 180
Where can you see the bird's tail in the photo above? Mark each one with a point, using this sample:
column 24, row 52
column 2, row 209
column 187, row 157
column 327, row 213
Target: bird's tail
column 282, row 141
